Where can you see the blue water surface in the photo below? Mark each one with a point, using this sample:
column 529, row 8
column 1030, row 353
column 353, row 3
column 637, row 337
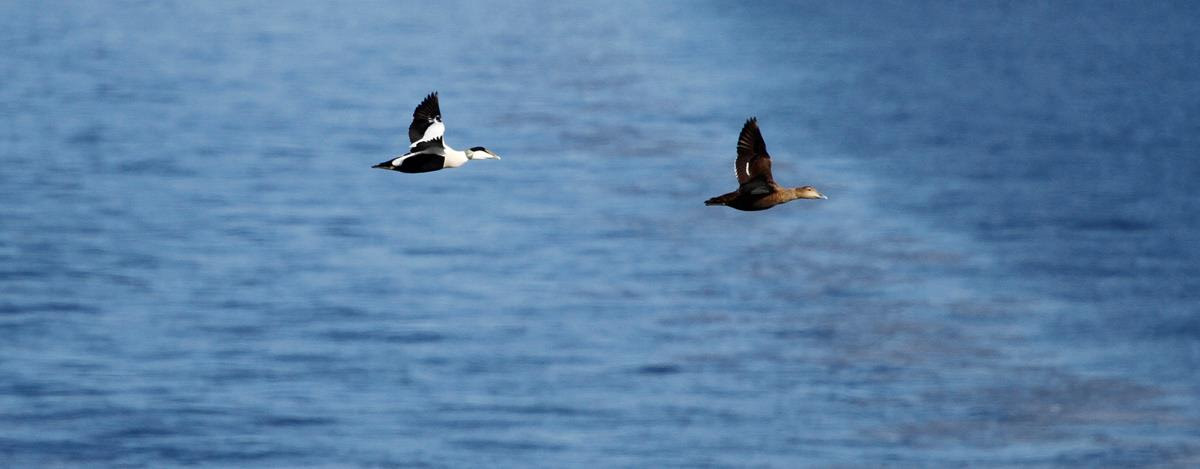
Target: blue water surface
column 199, row 268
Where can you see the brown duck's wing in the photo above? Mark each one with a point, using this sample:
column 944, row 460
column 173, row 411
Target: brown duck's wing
column 426, row 115
column 752, row 162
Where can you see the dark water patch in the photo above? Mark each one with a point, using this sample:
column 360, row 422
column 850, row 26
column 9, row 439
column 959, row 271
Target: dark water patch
column 138, row 261
column 344, row 227
column 307, row 358
column 227, row 454
column 1132, row 455
column 246, row 233
column 27, row 389
column 39, row 271
column 475, row 424
column 1187, row 327
column 1020, row 411
column 57, row 451
column 821, row 333
column 87, row 137
column 341, row 311
column 527, row 409
column 236, row 330
column 659, row 369
column 439, row 252
column 408, row 337
column 192, row 409
column 294, row 421
column 143, row 431
column 494, row 445
column 241, row 375
column 242, row 305
column 47, row 308
column 164, row 165
column 211, row 150
column 696, row 320
column 134, row 282
column 1068, row 268
column 82, row 413
column 1110, row 224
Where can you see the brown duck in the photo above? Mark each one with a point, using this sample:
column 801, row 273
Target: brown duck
column 757, row 190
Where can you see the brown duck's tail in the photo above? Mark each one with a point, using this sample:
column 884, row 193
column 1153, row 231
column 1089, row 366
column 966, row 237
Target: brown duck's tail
column 720, row 199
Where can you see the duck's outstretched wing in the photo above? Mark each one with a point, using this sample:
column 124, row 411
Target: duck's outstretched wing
column 427, row 121
column 753, row 164
column 427, row 147
column 433, row 146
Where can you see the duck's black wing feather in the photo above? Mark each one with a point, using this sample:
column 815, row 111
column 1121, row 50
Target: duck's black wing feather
column 433, row 145
column 425, row 115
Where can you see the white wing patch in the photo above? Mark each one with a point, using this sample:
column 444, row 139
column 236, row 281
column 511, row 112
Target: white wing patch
column 434, row 130
column 747, row 169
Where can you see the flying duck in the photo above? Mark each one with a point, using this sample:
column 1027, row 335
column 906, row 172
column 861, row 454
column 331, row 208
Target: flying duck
column 428, row 152
column 757, row 190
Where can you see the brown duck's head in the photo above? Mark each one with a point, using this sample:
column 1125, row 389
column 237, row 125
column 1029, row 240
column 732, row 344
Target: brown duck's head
column 807, row 192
